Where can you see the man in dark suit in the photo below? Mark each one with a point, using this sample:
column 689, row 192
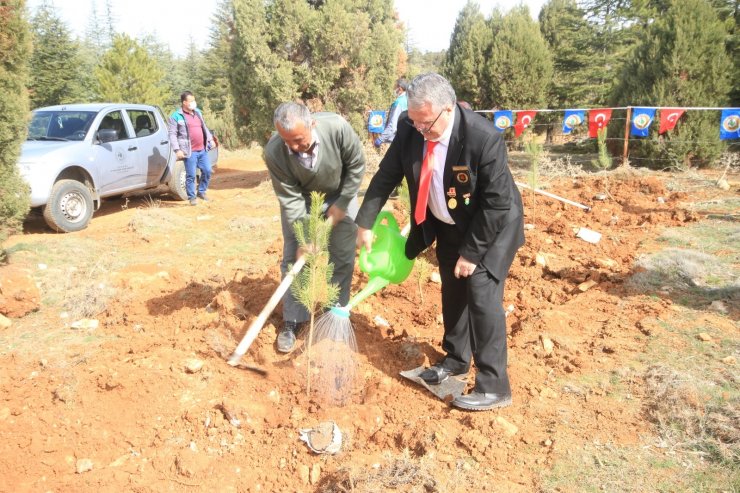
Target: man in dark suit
column 463, row 195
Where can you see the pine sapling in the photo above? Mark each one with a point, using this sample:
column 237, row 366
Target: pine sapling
column 313, row 287
column 534, row 151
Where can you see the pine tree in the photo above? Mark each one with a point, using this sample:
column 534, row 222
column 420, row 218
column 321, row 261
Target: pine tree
column 55, row 64
column 466, row 57
column 681, row 62
column 338, row 56
column 519, row 68
column 571, row 39
column 128, row 74
column 260, row 79
column 15, row 51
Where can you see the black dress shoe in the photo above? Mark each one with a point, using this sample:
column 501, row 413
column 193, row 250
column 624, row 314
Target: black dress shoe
column 435, row 375
column 482, row 401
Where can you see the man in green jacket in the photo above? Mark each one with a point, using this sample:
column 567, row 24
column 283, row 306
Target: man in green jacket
column 318, row 152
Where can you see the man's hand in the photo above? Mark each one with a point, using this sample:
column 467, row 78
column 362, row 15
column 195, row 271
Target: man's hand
column 180, row 155
column 377, row 142
column 302, row 251
column 336, row 214
column 464, row 268
column 365, row 239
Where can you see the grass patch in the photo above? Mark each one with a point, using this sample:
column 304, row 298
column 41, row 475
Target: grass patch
column 402, row 473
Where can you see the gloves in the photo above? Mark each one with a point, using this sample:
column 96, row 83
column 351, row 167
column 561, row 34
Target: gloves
column 377, row 142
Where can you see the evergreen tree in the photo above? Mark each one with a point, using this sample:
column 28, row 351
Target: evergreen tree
column 519, row 68
column 470, row 41
column 612, row 21
column 215, row 77
column 176, row 73
column 55, row 64
column 15, row 51
column 260, row 79
column 338, row 56
column 571, row 39
column 128, row 74
column 681, row 62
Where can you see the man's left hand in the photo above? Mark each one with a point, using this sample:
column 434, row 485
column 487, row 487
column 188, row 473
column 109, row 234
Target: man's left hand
column 464, row 268
column 336, row 214
column 377, row 142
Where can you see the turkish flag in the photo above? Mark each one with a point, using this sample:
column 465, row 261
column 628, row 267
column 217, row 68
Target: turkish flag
column 668, row 118
column 598, row 119
column 523, row 120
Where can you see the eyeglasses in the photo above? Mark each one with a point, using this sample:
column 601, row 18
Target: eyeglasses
column 428, row 128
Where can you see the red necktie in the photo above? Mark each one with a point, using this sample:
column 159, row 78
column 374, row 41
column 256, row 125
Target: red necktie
column 425, row 180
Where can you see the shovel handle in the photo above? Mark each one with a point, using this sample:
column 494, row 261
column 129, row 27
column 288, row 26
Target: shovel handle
column 256, row 326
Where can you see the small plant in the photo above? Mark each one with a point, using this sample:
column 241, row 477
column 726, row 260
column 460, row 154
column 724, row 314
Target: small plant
column 605, row 160
column 150, row 203
column 313, row 287
column 404, row 199
column 422, row 269
column 534, row 152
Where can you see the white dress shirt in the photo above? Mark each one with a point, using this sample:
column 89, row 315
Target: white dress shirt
column 437, row 197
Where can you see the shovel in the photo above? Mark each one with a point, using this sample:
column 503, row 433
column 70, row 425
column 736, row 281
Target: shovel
column 259, row 322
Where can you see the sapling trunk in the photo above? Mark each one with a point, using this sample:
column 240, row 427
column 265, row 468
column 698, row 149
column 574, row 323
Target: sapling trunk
column 313, row 287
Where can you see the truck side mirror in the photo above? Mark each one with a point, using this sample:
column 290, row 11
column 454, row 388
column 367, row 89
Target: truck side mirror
column 107, row 135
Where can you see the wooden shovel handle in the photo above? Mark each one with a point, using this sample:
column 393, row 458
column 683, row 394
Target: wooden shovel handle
column 256, row 326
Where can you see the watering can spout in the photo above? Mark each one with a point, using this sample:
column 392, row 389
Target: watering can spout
column 387, row 262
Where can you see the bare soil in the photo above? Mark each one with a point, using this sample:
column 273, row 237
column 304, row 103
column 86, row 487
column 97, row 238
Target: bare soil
column 128, row 401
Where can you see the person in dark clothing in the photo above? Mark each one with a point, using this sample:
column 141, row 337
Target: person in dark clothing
column 464, row 197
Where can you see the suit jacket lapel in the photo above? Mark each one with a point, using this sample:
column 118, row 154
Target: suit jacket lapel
column 454, row 149
column 417, row 156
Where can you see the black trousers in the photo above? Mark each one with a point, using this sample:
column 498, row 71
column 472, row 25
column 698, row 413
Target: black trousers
column 474, row 317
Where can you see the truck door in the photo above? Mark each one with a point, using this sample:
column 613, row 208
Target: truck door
column 152, row 141
column 118, row 160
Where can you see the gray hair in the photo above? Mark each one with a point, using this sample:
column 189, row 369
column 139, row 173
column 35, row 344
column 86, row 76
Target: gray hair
column 288, row 114
column 431, row 89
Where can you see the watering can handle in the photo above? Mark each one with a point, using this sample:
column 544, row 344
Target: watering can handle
column 388, row 217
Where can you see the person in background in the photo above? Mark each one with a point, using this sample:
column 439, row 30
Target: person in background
column 191, row 140
column 464, row 197
column 399, row 106
column 319, row 152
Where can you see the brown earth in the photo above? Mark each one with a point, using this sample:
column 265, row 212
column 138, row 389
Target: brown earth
column 129, row 401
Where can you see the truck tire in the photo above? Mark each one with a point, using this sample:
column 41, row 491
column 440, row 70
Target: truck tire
column 70, row 206
column 176, row 184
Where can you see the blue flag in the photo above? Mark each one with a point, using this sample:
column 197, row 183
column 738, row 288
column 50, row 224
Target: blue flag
column 572, row 119
column 503, row 120
column 729, row 127
column 641, row 120
column 376, row 122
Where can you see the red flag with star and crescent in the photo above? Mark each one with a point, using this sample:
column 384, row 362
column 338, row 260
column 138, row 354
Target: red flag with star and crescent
column 523, row 120
column 668, row 118
column 598, row 119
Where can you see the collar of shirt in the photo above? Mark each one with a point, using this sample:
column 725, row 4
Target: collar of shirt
column 437, row 199
column 307, row 159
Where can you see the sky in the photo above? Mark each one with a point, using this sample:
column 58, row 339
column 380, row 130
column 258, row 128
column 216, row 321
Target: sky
column 174, row 22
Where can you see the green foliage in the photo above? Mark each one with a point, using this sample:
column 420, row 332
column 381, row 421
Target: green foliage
column 404, row 198
column 343, row 58
column 680, row 62
column 15, row 51
column 423, row 63
column 55, row 64
column 422, row 269
column 604, row 160
column 466, row 57
column 533, row 149
column 313, row 287
column 216, row 93
column 128, row 73
column 571, row 39
column 519, row 68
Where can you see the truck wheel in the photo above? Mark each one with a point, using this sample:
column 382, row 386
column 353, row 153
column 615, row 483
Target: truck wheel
column 70, row 206
column 177, row 181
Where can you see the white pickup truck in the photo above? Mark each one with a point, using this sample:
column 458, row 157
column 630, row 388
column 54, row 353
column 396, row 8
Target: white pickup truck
column 77, row 154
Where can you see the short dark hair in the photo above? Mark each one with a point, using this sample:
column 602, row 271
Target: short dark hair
column 402, row 83
column 185, row 95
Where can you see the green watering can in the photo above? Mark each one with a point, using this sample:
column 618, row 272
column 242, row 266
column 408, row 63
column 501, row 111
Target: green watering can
column 385, row 264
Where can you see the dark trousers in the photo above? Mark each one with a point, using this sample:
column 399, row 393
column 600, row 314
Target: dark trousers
column 474, row 317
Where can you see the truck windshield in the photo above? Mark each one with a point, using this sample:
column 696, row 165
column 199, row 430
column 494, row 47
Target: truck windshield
column 60, row 125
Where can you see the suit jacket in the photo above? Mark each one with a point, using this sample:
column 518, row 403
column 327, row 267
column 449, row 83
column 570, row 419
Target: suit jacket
column 482, row 197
